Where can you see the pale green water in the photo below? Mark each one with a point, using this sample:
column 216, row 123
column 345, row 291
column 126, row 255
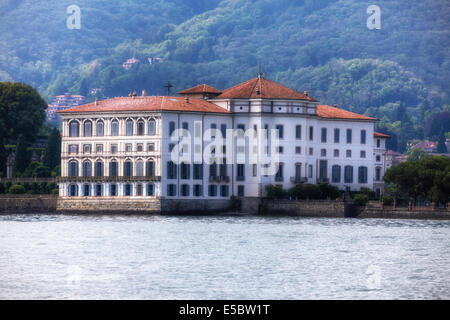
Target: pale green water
column 136, row 257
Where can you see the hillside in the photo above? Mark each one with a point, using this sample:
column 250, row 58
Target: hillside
column 322, row 46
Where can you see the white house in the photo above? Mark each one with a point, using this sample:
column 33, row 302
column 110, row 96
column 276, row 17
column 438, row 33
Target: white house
column 124, row 147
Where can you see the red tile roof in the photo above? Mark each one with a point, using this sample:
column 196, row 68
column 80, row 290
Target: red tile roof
column 380, row 135
column 330, row 112
column 201, row 88
column 152, row 103
column 262, row 88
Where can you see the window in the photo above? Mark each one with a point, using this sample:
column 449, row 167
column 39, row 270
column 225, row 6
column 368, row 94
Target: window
column 87, row 148
column 280, row 149
column 171, row 190
column 223, row 129
column 171, row 146
column 336, row 153
column 349, row 135
column 73, row 168
column 88, row 129
column 279, row 174
column 99, row 148
column 128, row 147
column 114, row 148
column 128, row 190
column 185, row 190
column 298, row 171
column 150, row 168
column 362, row 154
column 348, row 174
column 139, row 189
column 378, row 158
column 140, row 128
column 100, row 129
column 378, row 143
column 128, row 168
column 311, row 151
column 73, row 190
column 150, row 147
column 336, row 174
column 98, row 190
column 378, row 173
column 150, row 190
column 113, row 169
column 255, row 169
column 311, row 133
column 298, row 131
column 362, row 174
column 113, row 190
column 151, row 127
column 223, row 168
column 129, row 127
column 171, row 170
column 140, row 147
column 240, row 172
column 348, row 153
column 185, row 127
column 171, row 127
column 241, row 191
column 279, row 129
column 323, row 152
column 185, row 171
column 98, row 169
column 224, row 191
column 140, row 168
column 198, row 171
column 323, row 169
column 213, row 169
column 74, row 129
column 115, row 128
column 298, row 150
column 213, row 130
column 87, row 169
column 87, row 190
column 323, row 135
column 363, row 136
column 212, row 190
column 73, row 148
column 198, row 192
column 310, row 171
column 336, row 135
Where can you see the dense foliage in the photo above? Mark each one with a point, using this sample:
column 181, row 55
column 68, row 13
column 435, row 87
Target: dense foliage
column 424, row 179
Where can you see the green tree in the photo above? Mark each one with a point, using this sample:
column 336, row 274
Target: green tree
column 52, row 156
column 22, row 112
column 22, row 156
column 441, row 147
column 417, row 154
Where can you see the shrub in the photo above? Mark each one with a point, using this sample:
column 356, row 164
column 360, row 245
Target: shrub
column 276, row 192
column 17, row 189
column 55, row 191
column 360, row 199
column 43, row 188
column 306, row 191
column 369, row 192
column 387, row 200
column 8, row 185
column 2, row 188
column 34, row 188
column 328, row 191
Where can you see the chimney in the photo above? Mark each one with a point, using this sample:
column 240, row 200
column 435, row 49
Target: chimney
column 134, row 95
column 305, row 93
column 144, row 93
column 335, row 105
column 96, row 101
column 186, row 99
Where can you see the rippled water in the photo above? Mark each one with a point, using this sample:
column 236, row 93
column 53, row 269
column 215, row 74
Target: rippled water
column 155, row 257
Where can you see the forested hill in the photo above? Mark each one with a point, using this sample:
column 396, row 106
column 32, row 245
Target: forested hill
column 323, row 46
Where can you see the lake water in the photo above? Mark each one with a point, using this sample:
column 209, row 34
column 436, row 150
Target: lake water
column 156, row 257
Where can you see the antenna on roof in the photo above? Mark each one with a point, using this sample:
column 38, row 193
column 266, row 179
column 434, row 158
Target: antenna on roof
column 260, row 74
column 168, row 86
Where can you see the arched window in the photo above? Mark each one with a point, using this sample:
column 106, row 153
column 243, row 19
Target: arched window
column 73, row 168
column 73, row 190
column 150, row 168
column 88, row 129
column 115, row 128
column 100, row 129
column 140, row 128
column 74, row 129
column 99, row 168
column 129, row 127
column 151, row 127
column 348, row 174
column 113, row 169
column 128, row 168
column 362, row 174
column 336, row 173
column 87, row 168
column 140, row 168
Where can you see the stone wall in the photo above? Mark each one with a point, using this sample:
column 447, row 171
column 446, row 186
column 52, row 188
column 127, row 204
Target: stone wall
column 28, row 203
column 108, row 205
column 196, row 206
column 310, row 208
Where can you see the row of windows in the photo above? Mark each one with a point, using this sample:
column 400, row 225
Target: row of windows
column 113, row 169
column 197, row 190
column 87, row 148
column 113, row 190
column 74, row 128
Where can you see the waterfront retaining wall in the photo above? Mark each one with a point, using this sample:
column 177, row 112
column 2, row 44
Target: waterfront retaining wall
column 108, row 205
column 28, row 203
column 304, row 208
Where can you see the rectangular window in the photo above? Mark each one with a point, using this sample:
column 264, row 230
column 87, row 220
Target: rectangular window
column 336, row 174
column 150, row 190
column 363, row 154
column 378, row 143
column 171, row 127
column 310, row 171
column 114, row 148
column 171, row 190
column 241, row 191
column 323, row 135
column 185, row 126
column 280, row 150
column 279, row 174
column 113, row 190
column 212, row 190
column 311, row 133
column 298, row 171
column 73, row 149
column 185, row 171
column 336, row 135
column 323, row 152
column 139, row 190
column 128, row 147
column 223, row 129
column 362, row 174
column 348, row 153
column 240, row 172
column 298, row 131
column 150, row 147
column 185, row 190
column 279, row 128
column 298, row 150
column 363, row 136
column 349, row 135
column 213, row 130
column 323, row 169
column 255, row 170
column 311, row 151
column 99, row 148
column 98, row 190
column 171, row 170
column 224, row 191
column 86, row 148
column 336, row 153
column 348, row 174
column 198, row 171
column 198, row 192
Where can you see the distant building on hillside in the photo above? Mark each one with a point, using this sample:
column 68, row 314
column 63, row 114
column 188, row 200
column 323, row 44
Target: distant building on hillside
column 63, row 102
column 155, row 60
column 393, row 158
column 130, row 63
column 425, row 145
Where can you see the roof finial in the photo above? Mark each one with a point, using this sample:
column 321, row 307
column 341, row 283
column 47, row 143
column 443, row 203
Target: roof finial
column 168, row 86
column 260, row 74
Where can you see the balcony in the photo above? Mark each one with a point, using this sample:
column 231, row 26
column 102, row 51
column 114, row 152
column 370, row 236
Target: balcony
column 109, row 179
column 323, row 180
column 299, row 179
